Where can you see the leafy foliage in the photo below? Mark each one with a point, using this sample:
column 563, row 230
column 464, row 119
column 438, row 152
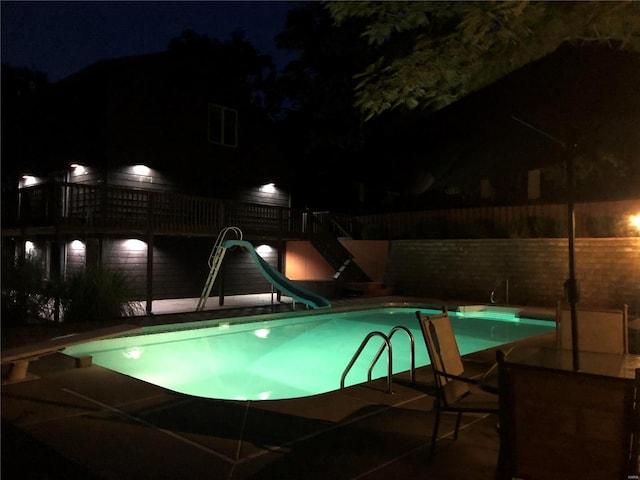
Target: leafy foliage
column 433, row 53
column 98, row 294
column 322, row 128
column 25, row 294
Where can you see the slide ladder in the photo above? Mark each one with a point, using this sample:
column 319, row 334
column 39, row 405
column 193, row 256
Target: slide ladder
column 215, row 260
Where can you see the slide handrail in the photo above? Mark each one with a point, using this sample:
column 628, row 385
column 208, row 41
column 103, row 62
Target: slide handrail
column 215, row 260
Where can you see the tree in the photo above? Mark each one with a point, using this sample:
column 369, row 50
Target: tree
column 434, row 53
column 22, row 88
column 237, row 60
column 322, row 128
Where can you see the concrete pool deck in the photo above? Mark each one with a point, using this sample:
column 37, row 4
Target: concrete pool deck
column 93, row 423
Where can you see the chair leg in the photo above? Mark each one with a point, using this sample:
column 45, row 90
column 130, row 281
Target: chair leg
column 434, row 434
column 458, row 419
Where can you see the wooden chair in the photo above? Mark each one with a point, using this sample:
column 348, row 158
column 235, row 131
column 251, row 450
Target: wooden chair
column 604, row 331
column 454, row 391
column 565, row 424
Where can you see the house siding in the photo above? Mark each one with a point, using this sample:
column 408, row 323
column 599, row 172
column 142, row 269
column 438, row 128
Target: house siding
column 180, row 268
column 126, row 178
column 276, row 198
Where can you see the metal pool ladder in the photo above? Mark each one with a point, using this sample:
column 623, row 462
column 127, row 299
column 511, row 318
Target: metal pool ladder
column 387, row 345
column 215, row 260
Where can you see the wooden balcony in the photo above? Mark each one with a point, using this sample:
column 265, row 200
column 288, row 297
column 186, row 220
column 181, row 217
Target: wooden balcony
column 69, row 208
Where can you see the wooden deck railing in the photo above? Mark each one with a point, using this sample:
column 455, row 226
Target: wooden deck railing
column 71, row 207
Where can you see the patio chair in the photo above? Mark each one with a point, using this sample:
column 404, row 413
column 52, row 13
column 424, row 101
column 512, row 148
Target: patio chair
column 604, row 331
column 562, row 424
column 455, row 392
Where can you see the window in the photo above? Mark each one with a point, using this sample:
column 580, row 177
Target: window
column 223, row 126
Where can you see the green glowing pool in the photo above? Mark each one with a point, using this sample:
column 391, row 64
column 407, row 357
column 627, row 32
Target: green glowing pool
column 274, row 357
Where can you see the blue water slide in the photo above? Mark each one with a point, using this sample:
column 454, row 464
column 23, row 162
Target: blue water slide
column 282, row 283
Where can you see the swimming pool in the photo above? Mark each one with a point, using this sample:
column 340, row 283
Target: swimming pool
column 271, row 357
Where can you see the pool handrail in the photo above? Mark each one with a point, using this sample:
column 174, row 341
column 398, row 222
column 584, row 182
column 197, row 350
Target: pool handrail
column 387, row 344
column 412, row 352
column 385, row 338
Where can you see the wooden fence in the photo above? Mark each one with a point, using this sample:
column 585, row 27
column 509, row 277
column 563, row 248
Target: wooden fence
column 593, row 219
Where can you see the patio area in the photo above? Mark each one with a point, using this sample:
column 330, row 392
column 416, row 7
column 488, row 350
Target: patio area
column 93, row 423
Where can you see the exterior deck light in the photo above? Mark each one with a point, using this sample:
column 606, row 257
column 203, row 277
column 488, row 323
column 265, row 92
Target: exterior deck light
column 28, row 180
column 262, row 249
column 268, row 188
column 77, row 245
column 134, row 245
column 141, row 170
column 78, row 169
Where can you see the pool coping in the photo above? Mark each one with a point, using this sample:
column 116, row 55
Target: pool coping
column 519, row 312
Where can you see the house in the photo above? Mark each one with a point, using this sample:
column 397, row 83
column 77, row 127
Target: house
column 138, row 164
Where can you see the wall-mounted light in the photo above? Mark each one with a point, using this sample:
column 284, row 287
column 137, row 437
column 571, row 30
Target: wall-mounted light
column 77, row 245
column 262, row 249
column 634, row 221
column 78, row 169
column 141, row 170
column 28, row 180
column 134, row 245
column 268, row 188
column 29, row 248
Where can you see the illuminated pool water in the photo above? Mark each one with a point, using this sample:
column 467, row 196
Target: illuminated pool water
column 289, row 357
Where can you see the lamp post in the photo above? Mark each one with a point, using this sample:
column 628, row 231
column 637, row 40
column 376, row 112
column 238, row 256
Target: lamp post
column 570, row 285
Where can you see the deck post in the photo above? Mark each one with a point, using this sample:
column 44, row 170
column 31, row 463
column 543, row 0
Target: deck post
column 150, row 248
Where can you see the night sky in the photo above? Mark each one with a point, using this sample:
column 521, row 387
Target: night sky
column 61, row 38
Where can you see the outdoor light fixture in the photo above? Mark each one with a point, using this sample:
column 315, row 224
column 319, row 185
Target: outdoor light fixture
column 268, row 188
column 78, row 169
column 77, row 245
column 134, row 245
column 141, row 170
column 634, row 221
column 29, row 248
column 29, row 180
column 262, row 249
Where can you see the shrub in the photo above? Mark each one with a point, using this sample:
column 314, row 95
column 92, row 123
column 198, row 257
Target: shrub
column 26, row 296
column 536, row 227
column 98, row 294
column 607, row 226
